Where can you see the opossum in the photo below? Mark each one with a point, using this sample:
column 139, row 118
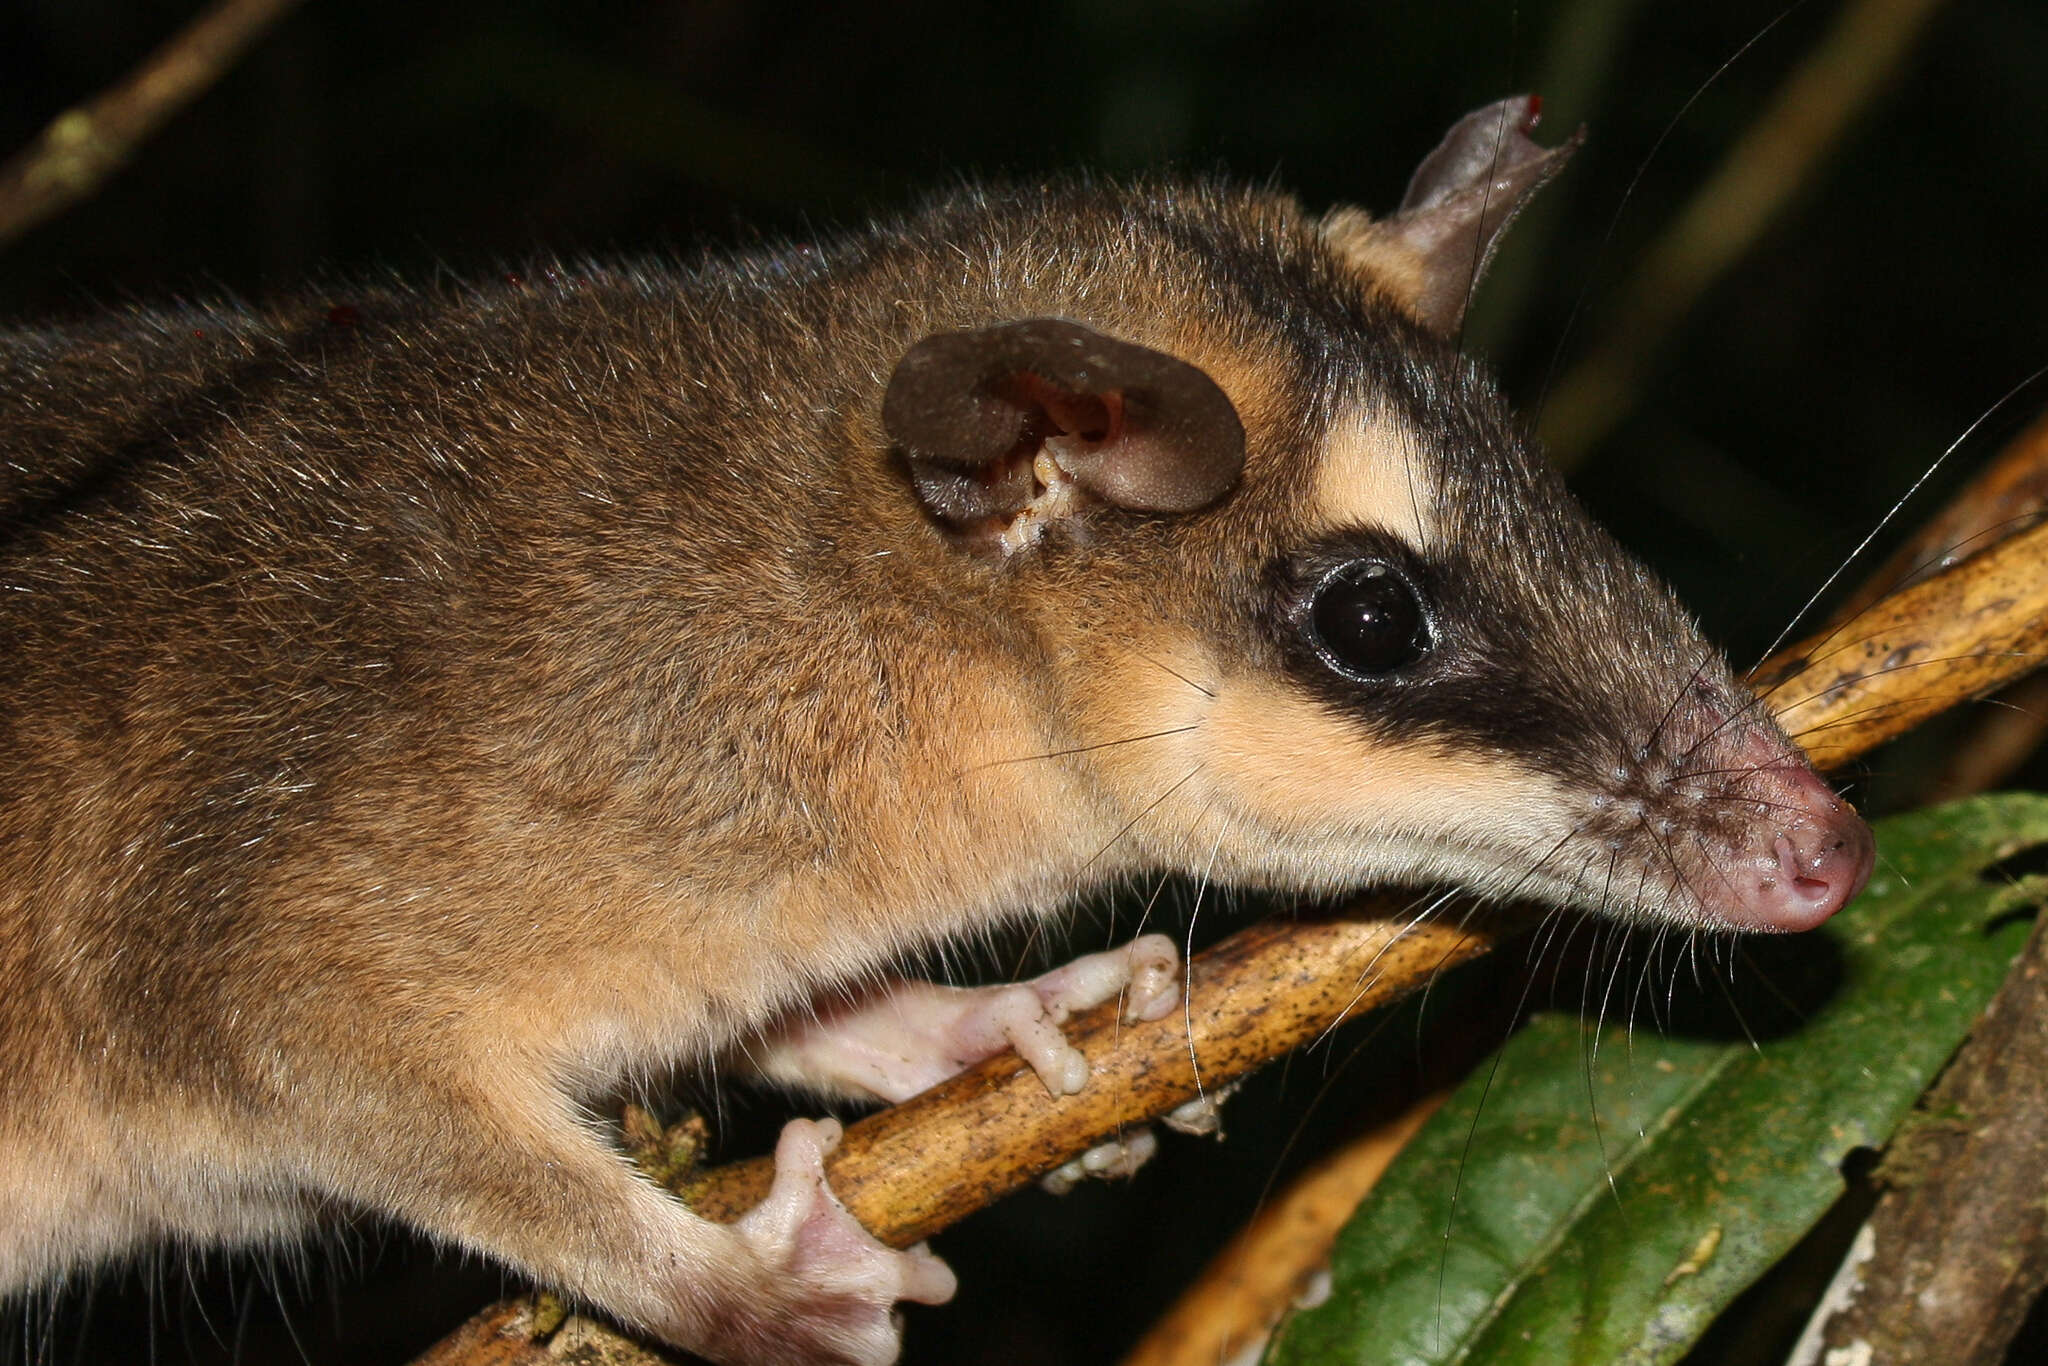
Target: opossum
column 420, row 714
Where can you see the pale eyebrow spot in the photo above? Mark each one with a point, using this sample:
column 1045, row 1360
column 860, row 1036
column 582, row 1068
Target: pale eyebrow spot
column 1371, row 474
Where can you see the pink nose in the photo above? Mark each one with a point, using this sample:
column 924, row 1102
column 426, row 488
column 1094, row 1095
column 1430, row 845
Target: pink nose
column 1815, row 864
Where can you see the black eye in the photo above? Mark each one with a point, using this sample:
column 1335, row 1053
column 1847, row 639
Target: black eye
column 1367, row 620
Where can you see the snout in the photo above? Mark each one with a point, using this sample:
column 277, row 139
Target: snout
column 1816, row 855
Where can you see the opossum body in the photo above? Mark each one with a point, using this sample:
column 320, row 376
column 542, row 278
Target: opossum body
column 422, row 715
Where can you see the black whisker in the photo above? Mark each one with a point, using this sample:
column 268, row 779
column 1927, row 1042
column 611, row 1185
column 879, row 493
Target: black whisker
column 1130, row 824
column 1741, row 713
column 1678, row 872
column 1168, row 668
column 1742, row 799
column 1079, row 749
column 1678, row 696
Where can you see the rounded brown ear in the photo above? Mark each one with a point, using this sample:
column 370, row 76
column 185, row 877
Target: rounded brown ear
column 973, row 411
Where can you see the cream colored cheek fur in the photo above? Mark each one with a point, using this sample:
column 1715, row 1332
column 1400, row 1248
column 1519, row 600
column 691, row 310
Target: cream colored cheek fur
column 1255, row 782
column 1304, row 796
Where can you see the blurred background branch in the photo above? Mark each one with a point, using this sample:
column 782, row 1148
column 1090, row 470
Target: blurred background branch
column 1778, row 155
column 84, row 145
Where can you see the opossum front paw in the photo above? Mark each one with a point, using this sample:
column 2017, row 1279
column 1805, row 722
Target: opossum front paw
column 1027, row 1017
column 1145, row 971
column 836, row 1287
column 909, row 1037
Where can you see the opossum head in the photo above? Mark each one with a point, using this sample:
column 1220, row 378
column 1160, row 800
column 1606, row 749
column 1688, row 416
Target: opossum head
column 1319, row 614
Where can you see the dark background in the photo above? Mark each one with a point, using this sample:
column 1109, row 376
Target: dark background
column 1897, row 298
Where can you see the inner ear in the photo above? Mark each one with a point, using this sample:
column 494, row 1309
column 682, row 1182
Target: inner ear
column 1074, row 417
column 1021, row 419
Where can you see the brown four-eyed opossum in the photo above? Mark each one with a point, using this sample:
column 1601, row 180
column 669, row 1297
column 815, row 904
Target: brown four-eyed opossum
column 423, row 715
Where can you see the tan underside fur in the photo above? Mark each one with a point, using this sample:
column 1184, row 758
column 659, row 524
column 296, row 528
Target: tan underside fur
column 917, row 868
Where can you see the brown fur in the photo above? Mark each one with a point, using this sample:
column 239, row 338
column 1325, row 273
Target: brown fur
column 422, row 716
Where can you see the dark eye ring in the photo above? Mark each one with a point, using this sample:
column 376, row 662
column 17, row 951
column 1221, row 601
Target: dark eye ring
column 1367, row 621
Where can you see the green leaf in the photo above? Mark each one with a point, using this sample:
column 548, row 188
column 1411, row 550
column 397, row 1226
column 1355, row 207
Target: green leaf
column 1621, row 1187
